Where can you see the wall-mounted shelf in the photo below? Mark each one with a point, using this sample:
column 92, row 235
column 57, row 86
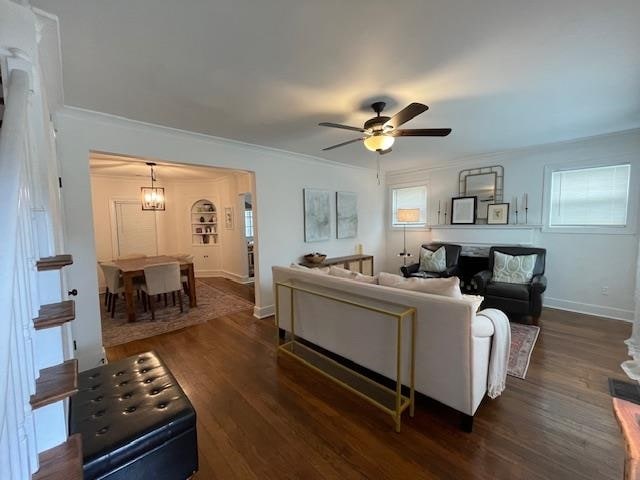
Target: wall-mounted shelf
column 487, row 226
column 62, row 462
column 56, row 383
column 55, row 314
column 54, row 263
column 204, row 223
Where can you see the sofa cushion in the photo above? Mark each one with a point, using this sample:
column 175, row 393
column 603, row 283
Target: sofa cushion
column 433, row 261
column 447, row 287
column 508, row 290
column 348, row 274
column 513, row 268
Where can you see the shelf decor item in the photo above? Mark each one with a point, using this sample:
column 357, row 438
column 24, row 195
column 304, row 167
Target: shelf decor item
column 317, row 215
column 204, row 230
column 152, row 197
column 498, row 214
column 346, row 215
column 486, row 183
column 463, row 210
column 315, row 258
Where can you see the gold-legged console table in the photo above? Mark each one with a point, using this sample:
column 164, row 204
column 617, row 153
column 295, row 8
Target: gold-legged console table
column 387, row 399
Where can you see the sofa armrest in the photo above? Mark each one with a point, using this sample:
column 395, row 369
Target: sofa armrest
column 482, row 278
column 409, row 269
column 482, row 327
column 538, row 284
column 453, row 271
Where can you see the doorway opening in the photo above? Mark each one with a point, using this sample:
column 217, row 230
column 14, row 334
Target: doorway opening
column 195, row 225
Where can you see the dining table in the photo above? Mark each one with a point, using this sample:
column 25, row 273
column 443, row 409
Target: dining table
column 132, row 268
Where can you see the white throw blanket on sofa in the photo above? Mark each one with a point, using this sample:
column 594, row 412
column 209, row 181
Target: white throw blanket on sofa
column 500, row 346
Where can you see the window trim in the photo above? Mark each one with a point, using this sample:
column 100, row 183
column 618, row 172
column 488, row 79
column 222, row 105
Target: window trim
column 422, row 227
column 632, row 202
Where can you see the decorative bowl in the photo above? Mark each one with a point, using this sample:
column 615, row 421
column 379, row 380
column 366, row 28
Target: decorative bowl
column 315, row 257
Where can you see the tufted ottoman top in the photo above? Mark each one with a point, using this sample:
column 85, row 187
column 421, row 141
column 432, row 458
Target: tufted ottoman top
column 125, row 409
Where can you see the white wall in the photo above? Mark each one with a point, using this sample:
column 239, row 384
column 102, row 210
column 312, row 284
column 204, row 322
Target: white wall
column 578, row 265
column 279, row 180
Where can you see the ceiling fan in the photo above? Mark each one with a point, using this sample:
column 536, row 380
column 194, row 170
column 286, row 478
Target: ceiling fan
column 380, row 131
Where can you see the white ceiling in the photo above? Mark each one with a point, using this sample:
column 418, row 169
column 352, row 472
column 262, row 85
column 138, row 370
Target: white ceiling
column 502, row 74
column 122, row 166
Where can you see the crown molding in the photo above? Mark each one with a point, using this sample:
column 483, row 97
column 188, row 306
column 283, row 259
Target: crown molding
column 82, row 113
column 489, row 156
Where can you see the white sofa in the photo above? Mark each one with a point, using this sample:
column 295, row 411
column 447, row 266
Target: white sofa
column 452, row 343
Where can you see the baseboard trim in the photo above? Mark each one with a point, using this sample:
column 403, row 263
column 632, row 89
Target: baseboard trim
column 224, row 274
column 263, row 312
column 590, row 309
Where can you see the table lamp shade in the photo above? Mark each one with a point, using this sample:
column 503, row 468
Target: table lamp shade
column 408, row 215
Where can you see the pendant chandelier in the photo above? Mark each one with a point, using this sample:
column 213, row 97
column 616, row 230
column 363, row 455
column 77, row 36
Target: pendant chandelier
column 152, row 197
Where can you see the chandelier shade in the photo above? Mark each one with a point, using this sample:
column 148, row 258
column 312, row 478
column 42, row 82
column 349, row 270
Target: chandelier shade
column 152, row 197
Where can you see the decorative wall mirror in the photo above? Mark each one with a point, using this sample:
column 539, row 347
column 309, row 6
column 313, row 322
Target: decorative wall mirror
column 486, row 183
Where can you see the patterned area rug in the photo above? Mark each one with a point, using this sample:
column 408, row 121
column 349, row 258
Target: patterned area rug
column 212, row 303
column 523, row 339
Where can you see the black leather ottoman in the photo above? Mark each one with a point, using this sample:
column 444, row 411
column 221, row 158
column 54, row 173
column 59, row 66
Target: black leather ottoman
column 135, row 421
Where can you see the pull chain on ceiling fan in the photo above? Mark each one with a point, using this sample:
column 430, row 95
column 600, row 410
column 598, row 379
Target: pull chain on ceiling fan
column 380, row 131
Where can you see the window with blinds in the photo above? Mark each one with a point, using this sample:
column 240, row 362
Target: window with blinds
column 409, row 198
column 597, row 196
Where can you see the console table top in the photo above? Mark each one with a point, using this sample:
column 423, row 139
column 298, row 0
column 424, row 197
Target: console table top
column 335, row 260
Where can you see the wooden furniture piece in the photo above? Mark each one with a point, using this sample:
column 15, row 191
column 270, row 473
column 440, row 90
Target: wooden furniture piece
column 62, row 462
column 56, row 383
column 391, row 401
column 628, row 416
column 134, row 267
column 356, row 263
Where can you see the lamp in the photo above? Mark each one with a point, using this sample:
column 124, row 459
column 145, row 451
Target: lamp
column 152, row 197
column 379, row 142
column 404, row 216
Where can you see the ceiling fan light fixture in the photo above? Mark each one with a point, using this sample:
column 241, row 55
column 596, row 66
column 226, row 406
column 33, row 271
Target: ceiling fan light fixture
column 377, row 143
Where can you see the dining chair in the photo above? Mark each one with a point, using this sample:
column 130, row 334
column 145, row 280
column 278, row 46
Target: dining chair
column 187, row 258
column 161, row 279
column 107, row 293
column 114, row 285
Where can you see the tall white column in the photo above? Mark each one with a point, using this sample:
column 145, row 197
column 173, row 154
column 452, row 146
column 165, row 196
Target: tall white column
column 634, row 341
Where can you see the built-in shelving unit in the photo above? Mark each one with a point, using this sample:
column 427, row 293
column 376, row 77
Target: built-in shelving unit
column 204, row 223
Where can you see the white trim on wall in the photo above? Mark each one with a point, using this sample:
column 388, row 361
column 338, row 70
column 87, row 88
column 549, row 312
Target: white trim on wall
column 589, row 309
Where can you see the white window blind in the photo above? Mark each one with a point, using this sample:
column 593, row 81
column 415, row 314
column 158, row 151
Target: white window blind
column 136, row 229
column 597, row 196
column 248, row 223
column 409, row 198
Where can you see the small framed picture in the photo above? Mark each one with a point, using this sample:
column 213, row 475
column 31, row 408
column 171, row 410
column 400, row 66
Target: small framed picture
column 463, row 210
column 228, row 218
column 498, row 214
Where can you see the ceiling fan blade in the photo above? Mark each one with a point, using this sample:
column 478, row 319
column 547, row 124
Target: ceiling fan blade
column 344, row 127
column 384, row 152
column 344, row 143
column 406, row 114
column 422, row 132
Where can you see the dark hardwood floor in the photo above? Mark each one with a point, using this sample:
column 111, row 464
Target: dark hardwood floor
column 262, row 418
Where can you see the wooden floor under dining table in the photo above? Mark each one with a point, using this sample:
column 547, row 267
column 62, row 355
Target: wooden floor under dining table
column 131, row 268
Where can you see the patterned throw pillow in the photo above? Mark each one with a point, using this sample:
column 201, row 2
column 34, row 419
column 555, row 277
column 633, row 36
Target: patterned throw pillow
column 433, row 261
column 513, row 269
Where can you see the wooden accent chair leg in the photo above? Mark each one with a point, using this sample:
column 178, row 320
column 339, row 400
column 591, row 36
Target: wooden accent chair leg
column 180, row 301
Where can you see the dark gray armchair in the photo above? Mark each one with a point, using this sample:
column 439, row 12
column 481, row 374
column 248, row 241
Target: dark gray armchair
column 512, row 298
column 453, row 256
